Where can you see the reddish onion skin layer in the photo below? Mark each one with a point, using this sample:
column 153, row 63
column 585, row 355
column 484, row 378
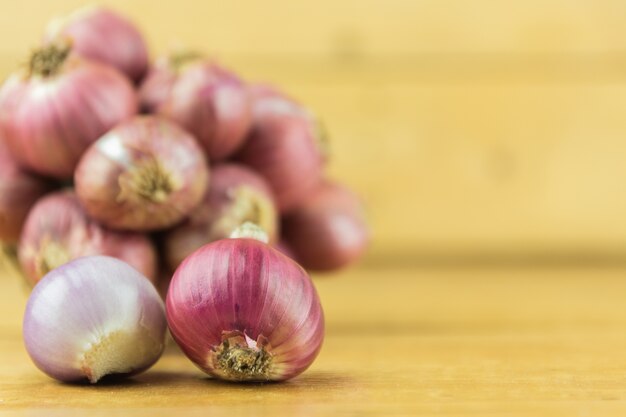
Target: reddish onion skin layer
column 105, row 36
column 285, row 150
column 146, row 174
column 235, row 195
column 19, row 190
column 328, row 230
column 207, row 100
column 240, row 296
column 58, row 230
column 49, row 121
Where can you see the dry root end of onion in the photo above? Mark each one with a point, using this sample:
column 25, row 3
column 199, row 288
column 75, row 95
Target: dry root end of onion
column 147, row 180
column 115, row 352
column 240, row 358
column 48, row 60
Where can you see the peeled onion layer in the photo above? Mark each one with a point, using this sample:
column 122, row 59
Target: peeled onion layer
column 94, row 317
column 242, row 311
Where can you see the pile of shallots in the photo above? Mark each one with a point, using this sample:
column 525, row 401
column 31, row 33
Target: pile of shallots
column 176, row 167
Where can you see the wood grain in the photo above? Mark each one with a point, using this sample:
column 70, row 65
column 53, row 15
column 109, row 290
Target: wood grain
column 451, row 342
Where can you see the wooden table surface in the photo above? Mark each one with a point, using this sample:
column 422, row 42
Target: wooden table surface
column 500, row 340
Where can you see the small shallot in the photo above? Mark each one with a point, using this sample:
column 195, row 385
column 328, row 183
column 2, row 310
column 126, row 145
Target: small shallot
column 286, row 150
column 242, row 311
column 206, row 99
column 18, row 192
column 94, row 317
column 58, row 230
column 103, row 35
column 53, row 111
column 236, row 195
column 156, row 88
column 146, row 174
column 328, row 230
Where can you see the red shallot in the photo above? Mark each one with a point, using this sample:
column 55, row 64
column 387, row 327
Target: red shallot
column 58, row 230
column 242, row 311
column 146, row 174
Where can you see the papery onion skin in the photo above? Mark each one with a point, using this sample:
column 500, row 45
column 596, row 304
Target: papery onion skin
column 235, row 195
column 146, row 174
column 103, row 35
column 93, row 317
column 285, row 150
column 328, row 230
column 58, row 230
column 247, row 294
column 19, row 190
column 48, row 121
column 206, row 99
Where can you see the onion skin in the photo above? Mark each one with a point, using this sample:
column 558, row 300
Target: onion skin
column 328, row 230
column 207, row 100
column 105, row 36
column 58, row 230
column 235, row 195
column 93, row 317
column 19, row 191
column 243, row 300
column 146, row 174
column 285, row 150
column 49, row 121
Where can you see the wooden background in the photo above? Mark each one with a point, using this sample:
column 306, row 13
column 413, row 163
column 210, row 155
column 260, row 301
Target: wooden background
column 480, row 128
column 488, row 138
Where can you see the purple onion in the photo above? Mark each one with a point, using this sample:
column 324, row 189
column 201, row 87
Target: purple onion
column 287, row 145
column 145, row 174
column 58, row 230
column 328, row 230
column 204, row 98
column 105, row 36
column 19, row 190
column 51, row 112
column 242, row 311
